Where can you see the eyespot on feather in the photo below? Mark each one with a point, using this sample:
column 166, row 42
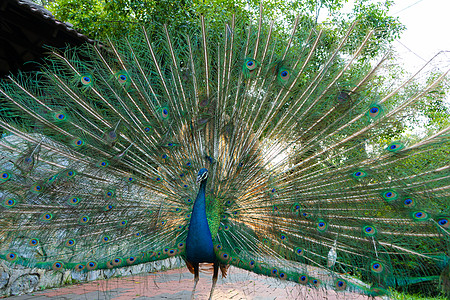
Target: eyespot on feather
column 57, row 265
column 303, row 279
column 420, row 216
column 376, row 267
column 83, row 220
column 9, row 203
column 122, row 77
column 395, row 147
column 374, row 111
column 340, row 284
column 284, row 75
column 444, row 222
column 33, row 242
column 315, row 282
column 249, row 66
column 46, row 217
column 369, row 230
column 5, row 176
column 86, row 80
column 409, row 202
column 359, row 174
column 91, row 265
column 11, row 256
column 70, row 243
column 390, row 195
column 322, row 226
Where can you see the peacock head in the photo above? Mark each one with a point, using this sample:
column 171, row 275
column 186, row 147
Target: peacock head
column 202, row 175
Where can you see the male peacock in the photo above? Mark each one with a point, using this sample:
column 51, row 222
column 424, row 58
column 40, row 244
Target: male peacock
column 283, row 136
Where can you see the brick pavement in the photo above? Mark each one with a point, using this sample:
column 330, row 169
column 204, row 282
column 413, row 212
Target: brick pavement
column 177, row 284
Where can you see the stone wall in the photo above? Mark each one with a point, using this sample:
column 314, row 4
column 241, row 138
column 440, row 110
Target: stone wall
column 17, row 280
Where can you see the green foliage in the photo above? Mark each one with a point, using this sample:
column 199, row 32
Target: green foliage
column 99, row 19
column 404, row 296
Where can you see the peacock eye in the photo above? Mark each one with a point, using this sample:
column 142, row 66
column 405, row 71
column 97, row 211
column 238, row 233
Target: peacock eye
column 420, row 215
column 374, row 111
column 249, row 65
column 444, row 222
column 164, row 113
column 284, row 75
column 122, row 78
column 86, row 80
column 408, row 202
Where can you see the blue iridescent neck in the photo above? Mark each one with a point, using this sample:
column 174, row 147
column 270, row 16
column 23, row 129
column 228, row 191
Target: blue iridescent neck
column 199, row 245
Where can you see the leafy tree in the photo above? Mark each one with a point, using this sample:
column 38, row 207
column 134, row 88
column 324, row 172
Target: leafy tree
column 100, row 19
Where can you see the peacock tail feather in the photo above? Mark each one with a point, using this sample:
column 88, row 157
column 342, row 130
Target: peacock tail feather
column 99, row 169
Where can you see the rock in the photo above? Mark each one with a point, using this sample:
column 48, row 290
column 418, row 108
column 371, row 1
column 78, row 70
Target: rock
column 79, row 276
column 94, row 275
column 109, row 273
column 24, row 284
column 49, row 279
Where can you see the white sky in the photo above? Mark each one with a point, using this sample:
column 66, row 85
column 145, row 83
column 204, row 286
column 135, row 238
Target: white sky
column 427, row 29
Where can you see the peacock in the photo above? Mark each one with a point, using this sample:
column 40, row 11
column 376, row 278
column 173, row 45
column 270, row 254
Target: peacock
column 237, row 146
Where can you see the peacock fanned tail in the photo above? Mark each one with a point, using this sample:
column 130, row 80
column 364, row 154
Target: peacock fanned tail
column 98, row 169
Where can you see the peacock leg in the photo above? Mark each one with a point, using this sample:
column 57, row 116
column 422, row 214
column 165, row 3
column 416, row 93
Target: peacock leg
column 196, row 278
column 215, row 275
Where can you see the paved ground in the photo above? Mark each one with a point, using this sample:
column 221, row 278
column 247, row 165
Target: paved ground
column 177, row 284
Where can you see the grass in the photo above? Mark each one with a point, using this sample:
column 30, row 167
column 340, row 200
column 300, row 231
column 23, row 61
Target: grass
column 403, row 296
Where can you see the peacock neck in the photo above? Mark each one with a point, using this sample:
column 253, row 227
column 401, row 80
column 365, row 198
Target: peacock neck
column 200, row 201
column 199, row 245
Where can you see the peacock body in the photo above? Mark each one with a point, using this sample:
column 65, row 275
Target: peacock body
column 101, row 168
